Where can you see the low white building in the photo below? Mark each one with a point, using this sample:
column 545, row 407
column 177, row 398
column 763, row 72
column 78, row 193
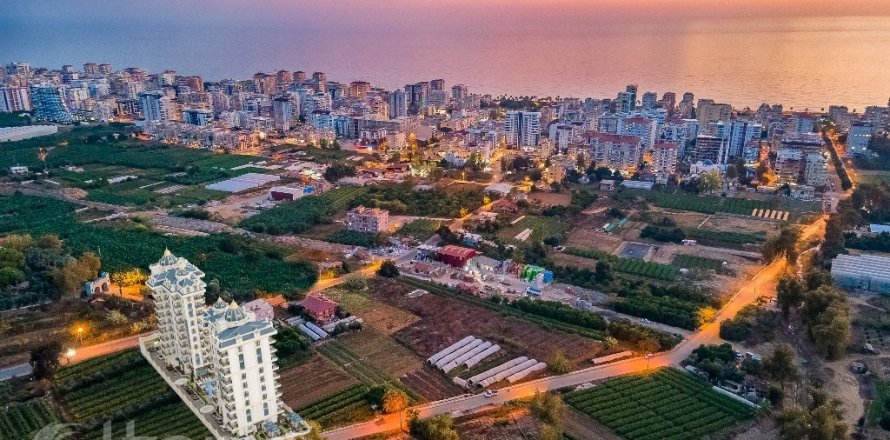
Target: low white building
column 12, row 134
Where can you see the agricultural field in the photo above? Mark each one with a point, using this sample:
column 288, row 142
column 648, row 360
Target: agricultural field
column 22, row 420
column 430, row 384
column 664, row 405
column 312, row 380
column 356, row 364
column 627, row 265
column 695, row 262
column 436, row 330
column 419, row 229
column 710, row 237
column 300, row 215
column 542, row 227
column 123, row 386
column 377, row 315
column 242, row 266
column 97, row 145
column 382, row 352
column 340, row 408
column 712, row 204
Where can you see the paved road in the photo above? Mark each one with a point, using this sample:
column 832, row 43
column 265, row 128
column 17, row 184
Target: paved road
column 762, row 284
column 104, row 348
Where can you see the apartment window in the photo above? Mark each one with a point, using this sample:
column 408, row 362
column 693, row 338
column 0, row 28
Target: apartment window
column 243, row 376
column 259, row 355
column 241, row 360
column 249, row 418
column 265, row 409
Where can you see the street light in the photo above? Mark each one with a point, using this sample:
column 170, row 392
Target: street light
column 70, row 354
column 80, row 334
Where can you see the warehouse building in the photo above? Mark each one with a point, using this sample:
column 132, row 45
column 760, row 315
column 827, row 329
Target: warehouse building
column 865, row 272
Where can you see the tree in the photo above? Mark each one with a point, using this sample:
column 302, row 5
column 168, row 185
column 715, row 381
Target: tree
column 558, row 363
column 710, row 181
column 50, row 242
column 69, row 278
column 732, row 172
column 790, row 293
column 648, row 345
column 394, row 400
column 548, row 407
column 603, row 271
column 780, row 366
column 785, row 244
column 793, row 423
column 315, row 431
column 10, row 276
column 356, row 283
column 832, row 330
column 45, row 360
column 438, row 427
column 705, row 315
column 388, row 269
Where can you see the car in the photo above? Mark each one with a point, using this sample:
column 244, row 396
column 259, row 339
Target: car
column 490, row 393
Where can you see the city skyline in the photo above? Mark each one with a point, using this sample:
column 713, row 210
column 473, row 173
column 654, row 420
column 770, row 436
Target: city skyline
column 820, row 56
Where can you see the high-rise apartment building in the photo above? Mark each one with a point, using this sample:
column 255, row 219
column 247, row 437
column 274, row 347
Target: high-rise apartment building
column 708, row 111
column 710, row 148
column 398, row 104
column 650, row 100
column 14, row 99
column 664, row 158
column 320, row 80
column 643, row 128
column 48, row 103
column 614, row 151
column 282, row 112
column 156, row 107
column 523, row 129
column 224, row 346
column 90, row 69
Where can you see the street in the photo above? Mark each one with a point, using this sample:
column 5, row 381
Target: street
column 762, row 284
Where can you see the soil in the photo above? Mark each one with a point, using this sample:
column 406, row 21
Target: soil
column 312, row 381
column 445, row 321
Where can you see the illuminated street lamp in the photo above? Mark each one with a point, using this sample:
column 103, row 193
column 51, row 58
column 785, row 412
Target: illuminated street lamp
column 80, row 334
column 70, row 354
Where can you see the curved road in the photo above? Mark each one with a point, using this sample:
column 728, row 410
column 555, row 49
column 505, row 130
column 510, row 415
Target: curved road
column 762, row 284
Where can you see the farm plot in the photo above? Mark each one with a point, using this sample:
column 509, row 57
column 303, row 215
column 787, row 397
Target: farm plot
column 711, row 237
column 695, row 262
column 436, row 329
column 627, row 265
column 340, row 408
column 666, row 404
column 419, row 229
column 300, row 215
column 121, row 387
column 357, row 365
column 704, row 204
column 541, row 227
column 173, row 418
column 382, row 352
column 22, row 420
column 430, row 384
column 312, row 381
column 379, row 316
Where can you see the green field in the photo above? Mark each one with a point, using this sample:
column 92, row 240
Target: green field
column 725, row 238
column 664, row 405
column 300, row 215
column 242, row 266
column 419, row 229
column 696, row 262
column 731, row 205
column 628, row 265
column 123, row 387
column 97, row 145
column 542, row 227
column 22, row 420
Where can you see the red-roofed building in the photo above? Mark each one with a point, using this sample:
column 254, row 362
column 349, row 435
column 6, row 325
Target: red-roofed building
column 320, row 308
column 456, row 256
column 504, row 206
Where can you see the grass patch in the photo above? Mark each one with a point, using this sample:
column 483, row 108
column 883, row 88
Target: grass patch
column 696, row 262
column 419, row 229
